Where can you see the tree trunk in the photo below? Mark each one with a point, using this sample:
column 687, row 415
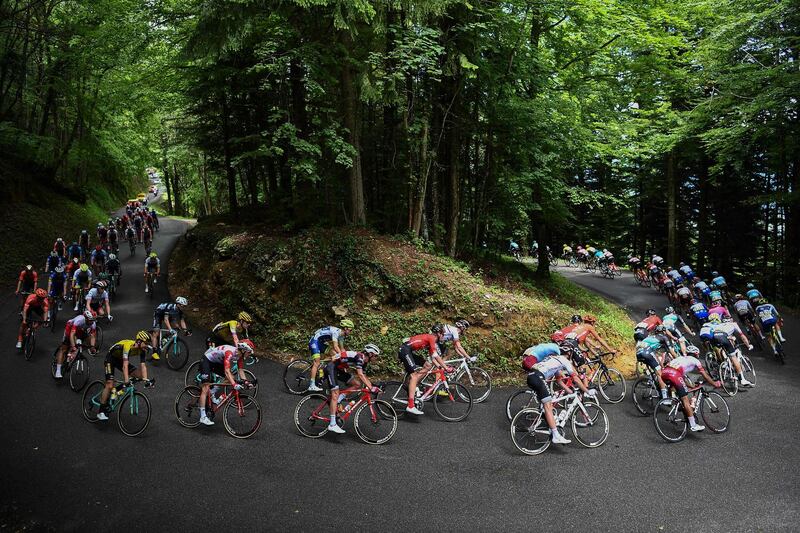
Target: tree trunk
column 672, row 206
column 204, row 177
column 702, row 218
column 350, row 103
column 230, row 172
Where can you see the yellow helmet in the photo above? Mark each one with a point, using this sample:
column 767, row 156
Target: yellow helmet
column 143, row 336
column 244, row 317
column 84, row 267
column 347, row 323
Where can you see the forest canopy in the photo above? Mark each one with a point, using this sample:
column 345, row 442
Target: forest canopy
column 642, row 126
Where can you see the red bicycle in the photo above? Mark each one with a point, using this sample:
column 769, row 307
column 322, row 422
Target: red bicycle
column 375, row 421
column 241, row 413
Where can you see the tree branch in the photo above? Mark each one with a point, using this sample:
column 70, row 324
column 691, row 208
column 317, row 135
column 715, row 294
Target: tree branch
column 590, row 54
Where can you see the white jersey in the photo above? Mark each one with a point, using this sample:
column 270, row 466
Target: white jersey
column 684, row 291
column 450, row 334
column 743, row 307
column 95, row 296
column 553, row 365
column 729, row 328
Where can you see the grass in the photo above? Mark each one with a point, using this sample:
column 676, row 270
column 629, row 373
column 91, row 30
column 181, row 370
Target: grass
column 296, row 282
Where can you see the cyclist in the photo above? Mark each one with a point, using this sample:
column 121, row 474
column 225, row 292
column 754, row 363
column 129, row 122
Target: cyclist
column 74, row 251
column 337, row 370
column 219, row 360
column 562, row 333
column 155, row 217
column 147, row 237
column 114, row 269
column 667, row 284
column 113, row 239
column 686, row 271
column 647, row 352
column 684, row 296
column 541, row 371
column 655, row 273
column 453, row 334
column 57, row 285
column 83, row 241
column 718, row 280
column 99, row 257
column 673, row 375
column 81, row 279
column 130, row 235
column 674, row 323
column 102, row 234
column 718, row 307
column 97, row 300
column 586, row 334
column 231, row 331
column 60, row 247
column 137, row 226
column 37, row 306
column 566, row 251
column 152, row 268
column 701, row 289
column 649, row 322
column 674, row 275
column 768, row 318
column 657, row 260
column 634, row 263
column 27, row 282
column 415, row 365
column 600, row 257
column 723, row 334
column 118, row 357
column 540, row 352
column 753, row 294
column 166, row 316
column 744, row 309
column 513, row 248
column 324, row 339
column 52, row 261
column 81, row 328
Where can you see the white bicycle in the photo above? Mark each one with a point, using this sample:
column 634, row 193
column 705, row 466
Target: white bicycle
column 474, row 378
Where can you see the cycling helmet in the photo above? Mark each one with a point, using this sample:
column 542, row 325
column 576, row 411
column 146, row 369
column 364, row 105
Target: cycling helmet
column 244, row 317
column 680, row 285
column 528, row 361
column 41, row 293
column 53, row 253
column 590, row 319
column 682, row 264
column 639, row 335
column 691, row 349
column 84, row 267
column 153, row 254
column 660, row 328
column 143, row 336
column 246, row 345
column 739, row 297
column 727, row 319
column 60, row 269
column 111, row 257
column 715, row 274
column 558, row 337
column 59, row 239
column 751, row 286
column 98, row 247
column 347, row 323
column 76, row 260
column 651, row 312
column 372, row 349
column 99, row 224
column 696, row 279
column 90, row 315
column 716, row 300
column 714, row 318
column 576, row 319
column 462, row 324
column 180, row 300
column 101, row 284
column 669, row 310
column 29, row 268
column 437, row 328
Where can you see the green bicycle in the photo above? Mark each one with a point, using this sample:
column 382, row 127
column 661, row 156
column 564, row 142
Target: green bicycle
column 132, row 407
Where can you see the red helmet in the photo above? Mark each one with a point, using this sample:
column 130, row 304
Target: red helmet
column 41, row 293
column 98, row 247
column 247, row 345
column 528, row 361
column 558, row 336
column 590, row 319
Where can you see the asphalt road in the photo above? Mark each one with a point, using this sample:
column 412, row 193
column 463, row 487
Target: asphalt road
column 63, row 473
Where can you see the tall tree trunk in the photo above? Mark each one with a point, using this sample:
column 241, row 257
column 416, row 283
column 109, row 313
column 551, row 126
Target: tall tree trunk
column 453, row 190
column 350, row 103
column 418, row 200
column 702, row 217
column 672, row 206
column 204, row 177
column 176, row 190
column 230, row 172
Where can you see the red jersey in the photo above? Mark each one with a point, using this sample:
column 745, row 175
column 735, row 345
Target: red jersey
column 563, row 331
column 38, row 303
column 28, row 277
column 78, row 325
column 418, row 342
column 652, row 321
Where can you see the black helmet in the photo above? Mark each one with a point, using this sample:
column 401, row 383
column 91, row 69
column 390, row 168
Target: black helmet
column 651, row 312
column 639, row 335
column 462, row 324
column 576, row 319
column 436, row 329
column 660, row 328
column 669, row 309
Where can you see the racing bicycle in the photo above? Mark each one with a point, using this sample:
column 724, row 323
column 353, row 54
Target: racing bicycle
column 673, row 424
column 132, row 407
column 241, row 412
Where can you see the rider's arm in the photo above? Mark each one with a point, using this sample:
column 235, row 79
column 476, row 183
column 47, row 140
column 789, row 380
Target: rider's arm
column 579, row 381
column 460, row 349
column 167, row 322
column 363, row 378
column 108, row 304
column 594, row 335
column 336, row 348
column 125, row 375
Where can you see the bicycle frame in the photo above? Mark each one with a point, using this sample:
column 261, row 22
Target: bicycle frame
column 460, row 364
column 345, row 413
column 113, row 401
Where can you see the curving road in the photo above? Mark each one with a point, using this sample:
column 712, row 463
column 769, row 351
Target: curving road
column 63, row 473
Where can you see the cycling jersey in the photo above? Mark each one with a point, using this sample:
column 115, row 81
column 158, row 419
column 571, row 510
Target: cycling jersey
column 74, row 251
column 225, row 330
column 147, row 235
column 719, row 281
column 553, row 365
column 728, row 328
column 542, row 351
column 28, row 280
column 513, row 246
column 113, row 266
column 78, row 326
column 39, row 304
column 130, row 234
column 322, row 338
column 168, row 309
column 102, row 234
column 152, row 264
column 450, row 334
column 673, row 321
column 684, row 293
column 699, row 310
column 657, row 259
column 653, row 342
column 419, row 342
column 674, row 275
column 721, row 310
column 752, row 294
column 634, row 262
column 649, row 323
column 95, row 296
column 52, row 262
column 686, row 270
column 767, row 314
column 224, row 355
column 715, row 295
column 743, row 308
column 82, row 278
column 113, row 236
column 599, row 254
column 684, row 364
column 706, row 331
column 701, row 286
column 350, row 359
column 99, row 256
column 57, row 281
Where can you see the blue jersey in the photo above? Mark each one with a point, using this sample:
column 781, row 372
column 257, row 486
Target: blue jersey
column 699, row 310
column 753, row 293
column 57, row 282
column 719, row 281
column 767, row 314
column 542, row 351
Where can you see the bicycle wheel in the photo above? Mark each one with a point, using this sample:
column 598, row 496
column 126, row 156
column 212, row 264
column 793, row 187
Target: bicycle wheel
column 192, row 376
column 714, row 412
column 590, row 425
column 396, row 394
column 98, row 339
column 296, row 377
column 670, row 421
column 728, row 377
column 748, row 369
column 133, row 414
column 479, row 385
column 242, row 418
column 529, row 432
column 779, row 355
column 53, row 363
column 91, row 400
column 611, row 384
column 311, row 416
column 712, row 364
column 177, row 354
column 456, row 405
column 645, row 395
column 187, row 406
column 377, row 423
column 29, row 344
column 522, row 399
column 79, row 373
column 53, row 314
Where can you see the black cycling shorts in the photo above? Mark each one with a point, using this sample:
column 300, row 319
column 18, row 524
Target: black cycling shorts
column 538, row 385
column 647, row 357
column 411, row 361
column 333, row 375
column 209, row 368
column 116, row 362
column 723, row 341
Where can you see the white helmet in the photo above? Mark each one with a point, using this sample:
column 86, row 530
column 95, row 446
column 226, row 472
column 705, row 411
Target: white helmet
column 372, row 349
column 180, row 300
column 111, row 257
